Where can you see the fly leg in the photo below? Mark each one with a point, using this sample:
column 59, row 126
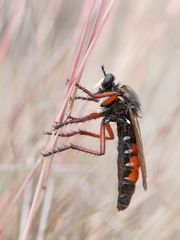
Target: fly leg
column 95, row 97
column 86, row 98
column 86, row 133
column 111, row 97
column 100, row 95
column 82, row 149
column 91, row 95
column 78, row 120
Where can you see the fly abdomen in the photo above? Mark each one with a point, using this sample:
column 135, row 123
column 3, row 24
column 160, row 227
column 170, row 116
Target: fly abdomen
column 126, row 190
column 128, row 166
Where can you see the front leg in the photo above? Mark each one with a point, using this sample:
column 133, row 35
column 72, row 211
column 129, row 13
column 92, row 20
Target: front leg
column 90, row 94
column 86, row 98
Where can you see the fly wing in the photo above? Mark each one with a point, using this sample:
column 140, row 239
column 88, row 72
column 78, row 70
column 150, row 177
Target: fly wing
column 137, row 132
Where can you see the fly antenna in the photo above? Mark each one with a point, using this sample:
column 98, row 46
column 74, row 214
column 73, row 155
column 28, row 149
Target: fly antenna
column 104, row 72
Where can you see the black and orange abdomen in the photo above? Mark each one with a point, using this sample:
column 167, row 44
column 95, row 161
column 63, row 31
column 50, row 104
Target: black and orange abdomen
column 128, row 164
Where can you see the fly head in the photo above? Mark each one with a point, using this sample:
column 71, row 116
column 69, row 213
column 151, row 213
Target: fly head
column 107, row 84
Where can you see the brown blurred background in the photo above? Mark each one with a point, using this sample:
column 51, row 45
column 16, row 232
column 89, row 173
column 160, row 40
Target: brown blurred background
column 140, row 44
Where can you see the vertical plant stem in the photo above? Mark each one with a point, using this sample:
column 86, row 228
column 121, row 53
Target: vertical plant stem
column 45, row 211
column 88, row 5
column 42, row 182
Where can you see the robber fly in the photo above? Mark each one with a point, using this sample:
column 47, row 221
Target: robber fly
column 119, row 104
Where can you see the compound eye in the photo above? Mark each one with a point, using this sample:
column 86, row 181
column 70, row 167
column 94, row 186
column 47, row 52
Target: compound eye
column 108, row 80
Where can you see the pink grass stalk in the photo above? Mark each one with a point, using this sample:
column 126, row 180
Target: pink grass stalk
column 93, row 37
column 86, row 13
column 84, row 60
column 98, row 17
column 39, row 194
column 45, row 210
column 26, row 203
column 93, row 41
column 80, row 70
column 77, row 72
column 93, row 32
column 47, row 163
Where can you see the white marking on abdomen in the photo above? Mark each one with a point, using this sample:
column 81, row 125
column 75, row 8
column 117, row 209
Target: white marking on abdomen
column 126, row 138
column 128, row 151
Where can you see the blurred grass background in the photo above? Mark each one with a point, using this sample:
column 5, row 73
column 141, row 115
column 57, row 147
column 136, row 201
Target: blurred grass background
column 141, row 46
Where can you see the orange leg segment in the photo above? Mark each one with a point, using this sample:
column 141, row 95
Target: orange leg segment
column 92, row 97
column 82, row 149
column 112, row 95
column 106, row 94
column 109, row 101
column 101, row 95
column 78, row 120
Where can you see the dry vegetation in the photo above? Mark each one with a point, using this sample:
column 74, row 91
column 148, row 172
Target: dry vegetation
column 140, row 44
